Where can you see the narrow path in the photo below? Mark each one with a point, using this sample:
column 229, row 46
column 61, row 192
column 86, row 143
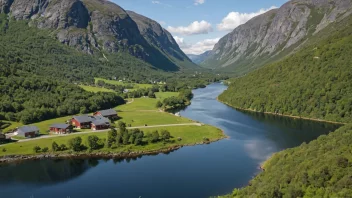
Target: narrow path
column 130, row 101
column 102, row 131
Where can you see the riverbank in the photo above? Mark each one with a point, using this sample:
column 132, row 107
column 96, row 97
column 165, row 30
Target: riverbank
column 283, row 115
column 99, row 154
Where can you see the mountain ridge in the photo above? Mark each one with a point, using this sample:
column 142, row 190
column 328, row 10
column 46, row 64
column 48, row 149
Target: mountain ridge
column 275, row 34
column 96, row 27
column 199, row 58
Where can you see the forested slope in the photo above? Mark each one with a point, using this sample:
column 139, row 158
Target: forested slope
column 38, row 52
column 314, row 83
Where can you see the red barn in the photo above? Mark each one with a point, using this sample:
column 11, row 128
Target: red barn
column 61, row 128
column 100, row 125
column 82, row 122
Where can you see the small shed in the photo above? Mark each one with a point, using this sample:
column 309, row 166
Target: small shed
column 27, row 131
column 108, row 113
column 61, row 128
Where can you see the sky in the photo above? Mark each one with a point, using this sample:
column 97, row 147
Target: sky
column 197, row 25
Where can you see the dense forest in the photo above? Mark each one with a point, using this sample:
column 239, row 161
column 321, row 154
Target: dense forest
column 314, row 83
column 322, row 168
column 30, row 99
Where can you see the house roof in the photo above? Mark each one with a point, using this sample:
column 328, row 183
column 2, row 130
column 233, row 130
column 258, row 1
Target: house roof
column 83, row 118
column 60, row 126
column 100, row 122
column 26, row 129
column 100, row 117
column 108, row 112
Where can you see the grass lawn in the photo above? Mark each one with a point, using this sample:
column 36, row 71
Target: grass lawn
column 95, row 89
column 189, row 135
column 141, row 118
column 115, row 82
column 12, row 126
column 162, row 95
column 139, row 104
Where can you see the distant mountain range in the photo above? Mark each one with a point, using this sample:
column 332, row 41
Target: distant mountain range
column 99, row 26
column 199, row 58
column 275, row 34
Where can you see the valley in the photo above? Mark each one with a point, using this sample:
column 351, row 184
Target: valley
column 95, row 92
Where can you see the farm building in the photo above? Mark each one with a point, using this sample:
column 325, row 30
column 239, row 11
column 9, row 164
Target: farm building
column 100, row 125
column 27, row 131
column 109, row 113
column 83, row 121
column 61, row 128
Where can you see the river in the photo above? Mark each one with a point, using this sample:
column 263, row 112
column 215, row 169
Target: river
column 197, row 171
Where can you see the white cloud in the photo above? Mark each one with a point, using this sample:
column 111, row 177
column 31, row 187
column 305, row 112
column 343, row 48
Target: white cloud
column 196, row 48
column 235, row 19
column 160, row 3
column 202, row 27
column 198, row 2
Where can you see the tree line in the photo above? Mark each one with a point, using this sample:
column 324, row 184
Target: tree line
column 114, row 139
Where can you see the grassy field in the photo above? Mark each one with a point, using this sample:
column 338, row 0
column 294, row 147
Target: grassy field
column 115, row 82
column 139, row 104
column 95, row 89
column 162, row 95
column 12, row 126
column 189, row 135
column 140, row 118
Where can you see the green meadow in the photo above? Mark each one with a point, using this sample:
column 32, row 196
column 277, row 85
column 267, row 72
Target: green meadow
column 188, row 134
column 95, row 89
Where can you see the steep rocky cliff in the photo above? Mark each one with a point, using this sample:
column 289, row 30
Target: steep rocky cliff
column 97, row 27
column 160, row 38
column 275, row 34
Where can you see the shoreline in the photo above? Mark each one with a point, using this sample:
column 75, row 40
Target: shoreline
column 9, row 159
column 283, row 115
column 262, row 164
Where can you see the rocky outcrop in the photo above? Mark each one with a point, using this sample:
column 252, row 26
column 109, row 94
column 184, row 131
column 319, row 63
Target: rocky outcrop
column 158, row 37
column 275, row 33
column 95, row 26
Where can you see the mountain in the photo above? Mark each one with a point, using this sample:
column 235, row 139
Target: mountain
column 161, row 39
column 199, row 58
column 99, row 27
column 275, row 34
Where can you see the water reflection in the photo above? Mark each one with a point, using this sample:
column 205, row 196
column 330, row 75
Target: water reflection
column 45, row 171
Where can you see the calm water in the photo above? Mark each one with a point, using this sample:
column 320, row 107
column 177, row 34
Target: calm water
column 199, row 171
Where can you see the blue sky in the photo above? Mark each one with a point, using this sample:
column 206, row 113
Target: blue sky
column 198, row 24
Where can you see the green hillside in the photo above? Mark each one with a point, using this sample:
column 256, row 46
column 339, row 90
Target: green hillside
column 38, row 52
column 313, row 83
